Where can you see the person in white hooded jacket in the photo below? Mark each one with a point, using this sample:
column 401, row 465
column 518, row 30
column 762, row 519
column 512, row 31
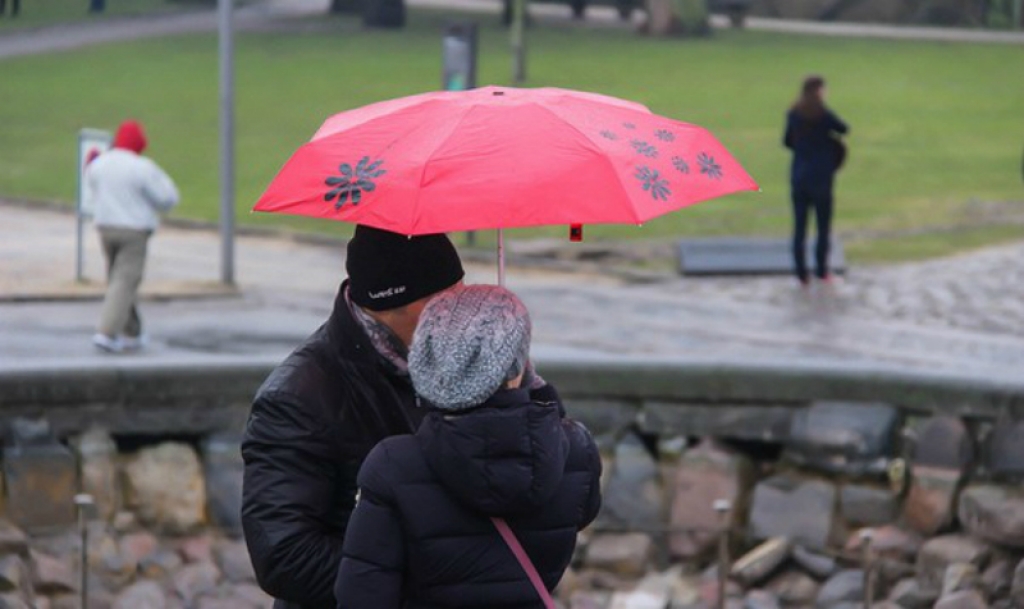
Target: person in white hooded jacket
column 126, row 193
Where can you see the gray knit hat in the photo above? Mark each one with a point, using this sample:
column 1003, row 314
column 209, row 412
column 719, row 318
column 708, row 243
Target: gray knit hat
column 470, row 340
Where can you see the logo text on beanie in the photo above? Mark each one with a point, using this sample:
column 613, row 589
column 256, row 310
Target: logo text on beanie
column 392, row 291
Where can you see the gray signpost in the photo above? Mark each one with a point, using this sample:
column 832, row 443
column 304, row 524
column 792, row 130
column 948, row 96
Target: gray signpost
column 227, row 142
column 458, row 66
column 91, row 143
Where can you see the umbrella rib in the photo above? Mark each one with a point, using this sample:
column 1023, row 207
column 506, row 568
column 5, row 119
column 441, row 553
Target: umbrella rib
column 430, row 157
column 604, row 159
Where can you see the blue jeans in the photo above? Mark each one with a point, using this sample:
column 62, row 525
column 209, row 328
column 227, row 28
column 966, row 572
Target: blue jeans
column 803, row 201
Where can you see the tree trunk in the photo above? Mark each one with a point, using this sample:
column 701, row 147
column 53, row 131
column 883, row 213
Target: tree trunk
column 384, row 13
column 349, row 7
column 661, row 18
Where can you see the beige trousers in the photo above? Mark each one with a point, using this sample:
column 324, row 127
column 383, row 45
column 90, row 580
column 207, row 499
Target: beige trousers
column 125, row 250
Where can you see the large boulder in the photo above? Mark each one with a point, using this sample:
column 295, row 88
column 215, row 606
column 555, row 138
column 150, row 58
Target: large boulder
column 166, row 487
column 852, row 438
column 40, row 477
column 930, row 503
column 97, row 455
column 943, row 442
column 1005, row 457
column 706, row 474
column 142, row 595
column 223, row 467
column 761, row 562
column 994, row 513
column 868, row 505
column 965, row 599
column 801, row 509
column 633, row 495
column 940, row 552
column 626, row 554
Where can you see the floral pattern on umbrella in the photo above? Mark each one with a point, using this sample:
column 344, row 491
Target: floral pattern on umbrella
column 353, row 181
column 653, row 182
column 665, row 135
column 681, row 165
column 645, row 149
column 709, row 167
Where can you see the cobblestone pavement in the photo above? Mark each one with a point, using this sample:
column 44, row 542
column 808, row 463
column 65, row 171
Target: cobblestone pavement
column 962, row 315
column 979, row 291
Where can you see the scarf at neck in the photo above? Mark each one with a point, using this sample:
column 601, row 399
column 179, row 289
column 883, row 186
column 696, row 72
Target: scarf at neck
column 386, row 342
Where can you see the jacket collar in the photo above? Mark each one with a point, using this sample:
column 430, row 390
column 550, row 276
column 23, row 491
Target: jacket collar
column 350, row 340
column 501, row 399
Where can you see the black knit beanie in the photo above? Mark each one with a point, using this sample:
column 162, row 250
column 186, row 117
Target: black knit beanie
column 387, row 270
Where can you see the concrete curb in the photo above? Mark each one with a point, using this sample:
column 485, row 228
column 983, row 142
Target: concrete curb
column 189, row 396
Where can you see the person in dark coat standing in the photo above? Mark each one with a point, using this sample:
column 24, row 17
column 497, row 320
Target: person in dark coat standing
column 812, row 132
column 421, row 535
column 321, row 411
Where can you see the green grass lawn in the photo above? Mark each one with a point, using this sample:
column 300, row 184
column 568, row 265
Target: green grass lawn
column 936, row 128
column 38, row 13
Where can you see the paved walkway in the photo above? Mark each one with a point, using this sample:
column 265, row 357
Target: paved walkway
column 960, row 316
column 270, row 12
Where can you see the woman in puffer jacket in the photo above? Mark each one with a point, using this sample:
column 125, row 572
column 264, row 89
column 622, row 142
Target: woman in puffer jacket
column 422, row 534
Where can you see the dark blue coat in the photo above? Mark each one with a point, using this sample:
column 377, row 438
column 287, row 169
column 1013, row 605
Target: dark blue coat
column 421, row 537
column 815, row 158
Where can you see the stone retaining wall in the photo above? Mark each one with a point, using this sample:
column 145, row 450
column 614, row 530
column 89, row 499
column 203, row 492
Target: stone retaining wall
column 811, row 462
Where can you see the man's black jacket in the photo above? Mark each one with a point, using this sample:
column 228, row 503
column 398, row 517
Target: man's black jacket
column 312, row 423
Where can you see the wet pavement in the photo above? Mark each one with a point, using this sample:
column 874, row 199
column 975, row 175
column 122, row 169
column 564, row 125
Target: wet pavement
column 961, row 316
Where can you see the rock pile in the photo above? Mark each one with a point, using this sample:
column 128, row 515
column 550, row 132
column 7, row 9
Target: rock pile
column 856, row 501
column 829, row 504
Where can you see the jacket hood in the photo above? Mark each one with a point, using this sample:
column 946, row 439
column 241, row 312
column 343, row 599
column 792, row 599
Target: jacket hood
column 503, row 458
column 130, row 136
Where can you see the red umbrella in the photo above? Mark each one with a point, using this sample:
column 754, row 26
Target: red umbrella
column 500, row 157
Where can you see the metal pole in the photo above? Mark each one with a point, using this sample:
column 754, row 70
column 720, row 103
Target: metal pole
column 79, row 218
column 227, row 142
column 79, row 241
column 518, row 41
column 501, row 257
column 722, row 507
column 869, row 576
column 83, row 501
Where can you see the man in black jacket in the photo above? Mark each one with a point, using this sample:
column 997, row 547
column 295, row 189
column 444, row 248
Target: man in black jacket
column 319, row 413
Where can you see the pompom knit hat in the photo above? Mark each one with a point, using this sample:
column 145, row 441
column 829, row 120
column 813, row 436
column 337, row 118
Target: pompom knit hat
column 470, row 340
column 387, row 270
column 130, row 136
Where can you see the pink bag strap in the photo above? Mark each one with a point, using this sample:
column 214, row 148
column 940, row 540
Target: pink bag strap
column 524, row 561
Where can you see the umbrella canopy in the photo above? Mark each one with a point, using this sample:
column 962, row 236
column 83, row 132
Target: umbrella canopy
column 500, row 157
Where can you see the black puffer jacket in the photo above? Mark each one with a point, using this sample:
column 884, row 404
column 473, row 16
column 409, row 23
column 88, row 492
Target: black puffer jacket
column 312, row 423
column 421, row 536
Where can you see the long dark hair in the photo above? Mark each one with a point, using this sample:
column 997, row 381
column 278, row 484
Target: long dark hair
column 809, row 106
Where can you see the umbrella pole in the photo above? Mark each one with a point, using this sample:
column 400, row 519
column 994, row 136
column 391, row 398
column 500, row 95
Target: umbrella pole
column 501, row 257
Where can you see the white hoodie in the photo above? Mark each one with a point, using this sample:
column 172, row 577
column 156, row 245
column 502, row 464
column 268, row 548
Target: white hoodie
column 127, row 190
